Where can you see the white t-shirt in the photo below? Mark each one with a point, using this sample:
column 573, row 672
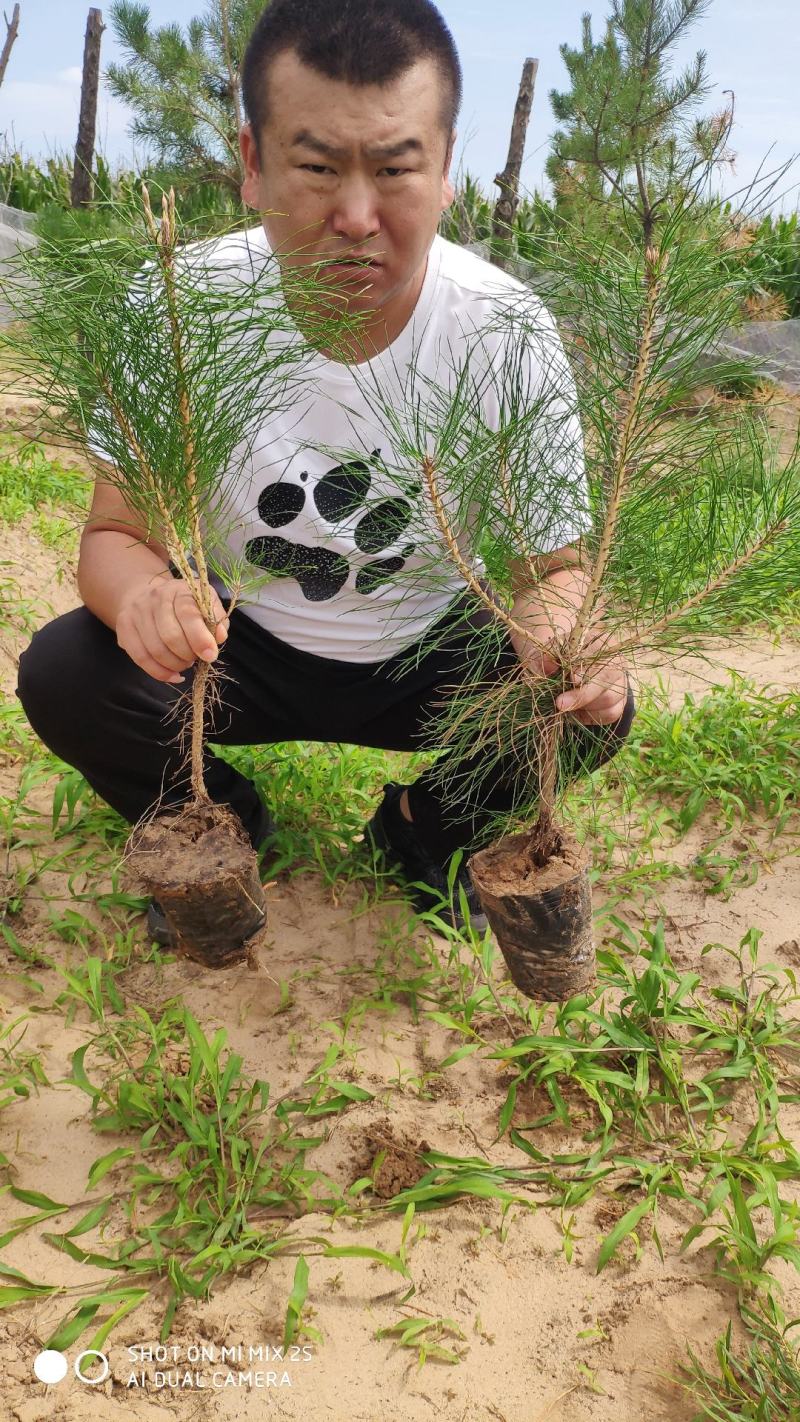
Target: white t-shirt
column 354, row 550
column 329, row 498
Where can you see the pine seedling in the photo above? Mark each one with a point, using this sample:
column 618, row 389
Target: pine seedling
column 164, row 361
column 685, row 526
column 688, row 526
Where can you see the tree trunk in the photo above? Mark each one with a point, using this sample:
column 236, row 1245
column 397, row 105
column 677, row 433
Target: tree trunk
column 81, row 192
column 234, row 81
column 12, row 29
column 508, row 181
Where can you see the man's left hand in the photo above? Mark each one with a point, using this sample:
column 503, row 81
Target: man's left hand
column 599, row 690
column 600, row 698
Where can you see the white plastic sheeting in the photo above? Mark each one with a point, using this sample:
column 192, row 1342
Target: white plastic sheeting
column 773, row 347
column 15, row 232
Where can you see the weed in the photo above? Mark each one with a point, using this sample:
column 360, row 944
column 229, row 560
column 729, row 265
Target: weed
column 30, row 482
column 424, row 1336
column 19, row 1070
column 711, row 753
column 763, row 1384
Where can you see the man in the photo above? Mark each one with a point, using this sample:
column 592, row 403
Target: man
column 351, row 108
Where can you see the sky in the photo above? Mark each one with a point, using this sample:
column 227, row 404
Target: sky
column 749, row 49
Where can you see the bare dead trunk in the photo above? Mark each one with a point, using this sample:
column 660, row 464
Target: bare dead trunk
column 81, row 191
column 233, row 74
column 508, row 181
column 12, row 30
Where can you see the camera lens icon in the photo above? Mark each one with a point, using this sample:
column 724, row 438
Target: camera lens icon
column 51, row 1367
column 91, row 1353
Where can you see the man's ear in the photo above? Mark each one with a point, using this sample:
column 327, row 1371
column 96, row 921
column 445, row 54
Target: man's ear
column 252, row 166
column 448, row 187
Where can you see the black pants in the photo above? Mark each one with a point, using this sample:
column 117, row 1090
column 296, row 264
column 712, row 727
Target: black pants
column 98, row 711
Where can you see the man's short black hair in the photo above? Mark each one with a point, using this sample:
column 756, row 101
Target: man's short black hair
column 358, row 41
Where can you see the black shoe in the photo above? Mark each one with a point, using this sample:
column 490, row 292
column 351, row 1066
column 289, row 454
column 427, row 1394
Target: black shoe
column 392, row 835
column 157, row 926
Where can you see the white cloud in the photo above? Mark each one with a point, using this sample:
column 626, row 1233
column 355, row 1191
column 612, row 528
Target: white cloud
column 70, row 76
column 41, row 119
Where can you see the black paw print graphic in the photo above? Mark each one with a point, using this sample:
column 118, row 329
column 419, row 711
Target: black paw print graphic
column 321, row 572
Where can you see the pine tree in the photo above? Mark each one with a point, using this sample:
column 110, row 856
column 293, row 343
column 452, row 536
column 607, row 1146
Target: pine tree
column 184, row 89
column 630, row 131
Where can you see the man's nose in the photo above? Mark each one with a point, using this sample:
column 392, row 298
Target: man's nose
column 355, row 215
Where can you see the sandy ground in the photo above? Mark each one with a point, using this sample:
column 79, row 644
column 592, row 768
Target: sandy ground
column 519, row 1304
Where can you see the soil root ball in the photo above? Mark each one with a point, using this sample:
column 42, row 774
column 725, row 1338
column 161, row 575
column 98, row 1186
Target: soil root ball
column 202, row 869
column 541, row 917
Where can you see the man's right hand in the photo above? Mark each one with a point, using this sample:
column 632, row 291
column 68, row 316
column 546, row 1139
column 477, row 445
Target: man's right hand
column 161, row 628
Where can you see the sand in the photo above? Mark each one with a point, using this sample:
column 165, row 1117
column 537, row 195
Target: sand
column 544, row 1340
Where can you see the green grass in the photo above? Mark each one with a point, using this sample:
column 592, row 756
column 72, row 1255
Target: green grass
column 19, row 613
column 30, row 482
column 321, row 796
column 20, row 1069
column 761, row 1384
column 735, row 752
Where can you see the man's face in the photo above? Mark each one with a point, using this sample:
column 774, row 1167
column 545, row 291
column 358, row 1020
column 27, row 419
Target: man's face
column 352, row 170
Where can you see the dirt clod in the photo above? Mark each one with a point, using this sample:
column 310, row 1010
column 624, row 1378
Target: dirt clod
column 506, row 867
column 401, row 1167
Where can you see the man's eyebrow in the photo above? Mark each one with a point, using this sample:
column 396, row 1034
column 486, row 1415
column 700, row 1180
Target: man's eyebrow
column 304, row 139
column 394, row 150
